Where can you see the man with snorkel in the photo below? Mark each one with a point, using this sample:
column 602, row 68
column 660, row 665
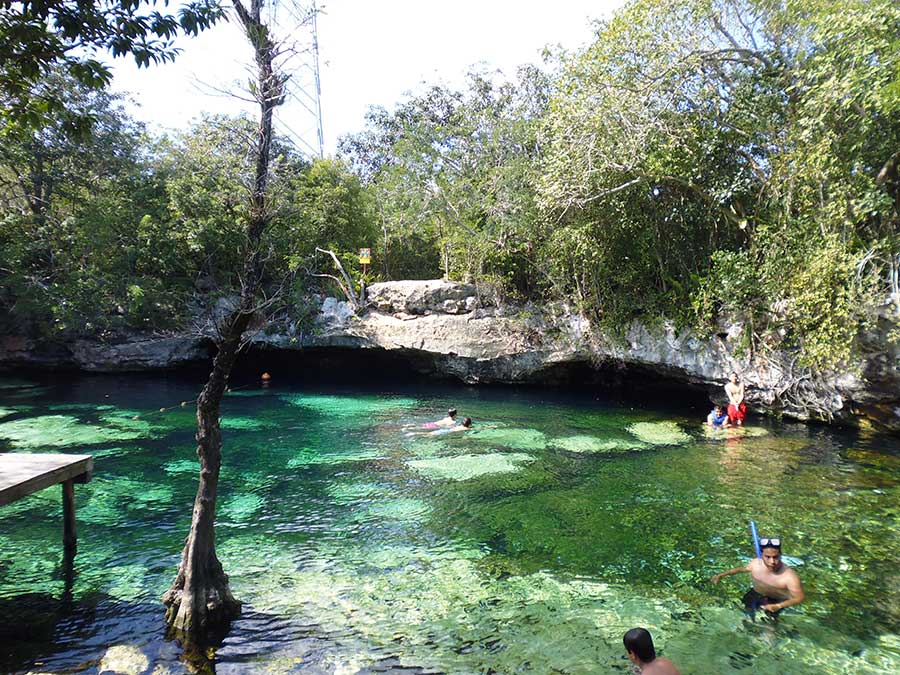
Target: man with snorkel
column 775, row 585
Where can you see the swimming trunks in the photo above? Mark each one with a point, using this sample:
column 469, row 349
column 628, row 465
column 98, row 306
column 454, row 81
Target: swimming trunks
column 753, row 600
column 737, row 413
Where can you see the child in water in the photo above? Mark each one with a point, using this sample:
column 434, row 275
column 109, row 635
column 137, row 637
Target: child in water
column 718, row 418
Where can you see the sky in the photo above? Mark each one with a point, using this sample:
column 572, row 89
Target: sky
column 371, row 52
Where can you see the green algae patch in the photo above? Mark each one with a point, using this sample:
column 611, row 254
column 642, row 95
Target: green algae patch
column 6, row 412
column 129, row 582
column 734, row 432
column 350, row 406
column 593, row 444
column 448, row 615
column 111, row 500
column 426, row 447
column 125, row 420
column 659, row 433
column 466, row 467
column 106, row 452
column 405, row 509
column 313, row 456
column 60, row 431
column 519, row 439
column 241, row 507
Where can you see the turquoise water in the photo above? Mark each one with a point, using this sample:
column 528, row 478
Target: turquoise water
column 530, row 544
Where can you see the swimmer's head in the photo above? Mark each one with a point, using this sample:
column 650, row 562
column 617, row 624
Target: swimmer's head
column 451, row 413
column 467, row 423
column 770, row 548
column 719, row 408
column 639, row 645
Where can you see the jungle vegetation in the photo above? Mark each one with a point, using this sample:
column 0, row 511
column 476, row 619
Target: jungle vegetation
column 700, row 159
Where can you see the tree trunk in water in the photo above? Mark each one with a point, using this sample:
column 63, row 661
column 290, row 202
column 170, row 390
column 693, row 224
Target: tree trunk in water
column 199, row 599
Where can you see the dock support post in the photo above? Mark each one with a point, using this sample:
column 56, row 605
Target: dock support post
column 69, row 537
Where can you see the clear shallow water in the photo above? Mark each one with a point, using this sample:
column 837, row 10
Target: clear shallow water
column 528, row 545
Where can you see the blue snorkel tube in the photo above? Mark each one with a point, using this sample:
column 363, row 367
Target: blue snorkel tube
column 755, row 539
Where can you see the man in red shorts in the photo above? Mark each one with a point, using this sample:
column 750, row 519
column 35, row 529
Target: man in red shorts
column 737, row 409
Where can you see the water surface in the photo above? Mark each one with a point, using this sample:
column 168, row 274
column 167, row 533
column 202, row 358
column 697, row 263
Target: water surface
column 530, row 544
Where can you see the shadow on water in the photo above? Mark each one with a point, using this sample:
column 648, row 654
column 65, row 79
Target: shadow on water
column 43, row 633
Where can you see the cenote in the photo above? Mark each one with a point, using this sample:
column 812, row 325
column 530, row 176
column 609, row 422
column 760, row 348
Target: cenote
column 530, row 544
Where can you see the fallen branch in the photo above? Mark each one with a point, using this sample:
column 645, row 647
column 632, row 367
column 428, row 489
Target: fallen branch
column 346, row 285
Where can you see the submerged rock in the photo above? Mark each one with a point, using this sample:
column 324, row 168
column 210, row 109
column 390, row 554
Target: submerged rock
column 592, row 444
column 124, row 660
column 466, row 467
column 659, row 433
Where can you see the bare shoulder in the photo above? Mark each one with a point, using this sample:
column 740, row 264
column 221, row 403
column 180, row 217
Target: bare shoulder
column 791, row 574
column 660, row 666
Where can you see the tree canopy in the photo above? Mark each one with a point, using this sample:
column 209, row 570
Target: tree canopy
column 699, row 160
column 37, row 37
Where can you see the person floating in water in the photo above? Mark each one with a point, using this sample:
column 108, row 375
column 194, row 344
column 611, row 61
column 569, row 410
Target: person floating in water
column 718, row 418
column 465, row 425
column 737, row 408
column 444, row 423
column 639, row 645
column 775, row 585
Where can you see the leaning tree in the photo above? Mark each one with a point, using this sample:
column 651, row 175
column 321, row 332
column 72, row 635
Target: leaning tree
column 200, row 601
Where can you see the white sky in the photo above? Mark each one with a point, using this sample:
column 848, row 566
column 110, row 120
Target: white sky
column 371, row 53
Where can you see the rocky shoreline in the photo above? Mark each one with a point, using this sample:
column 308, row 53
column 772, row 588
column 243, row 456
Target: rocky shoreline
column 448, row 329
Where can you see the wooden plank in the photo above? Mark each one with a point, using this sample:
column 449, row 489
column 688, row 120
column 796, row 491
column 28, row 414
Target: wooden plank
column 22, row 474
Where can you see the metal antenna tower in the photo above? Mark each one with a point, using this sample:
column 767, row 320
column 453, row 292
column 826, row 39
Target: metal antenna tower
column 321, row 136
column 307, row 92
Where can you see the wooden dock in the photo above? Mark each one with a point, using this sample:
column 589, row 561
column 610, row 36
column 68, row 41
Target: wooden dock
column 22, row 474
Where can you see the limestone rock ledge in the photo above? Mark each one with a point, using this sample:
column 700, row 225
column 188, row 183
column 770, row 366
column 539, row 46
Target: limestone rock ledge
column 449, row 329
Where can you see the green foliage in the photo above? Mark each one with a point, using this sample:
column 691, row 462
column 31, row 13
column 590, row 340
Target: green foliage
column 723, row 158
column 111, row 230
column 452, row 171
column 79, row 202
column 659, row 433
column 37, row 38
column 700, row 161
